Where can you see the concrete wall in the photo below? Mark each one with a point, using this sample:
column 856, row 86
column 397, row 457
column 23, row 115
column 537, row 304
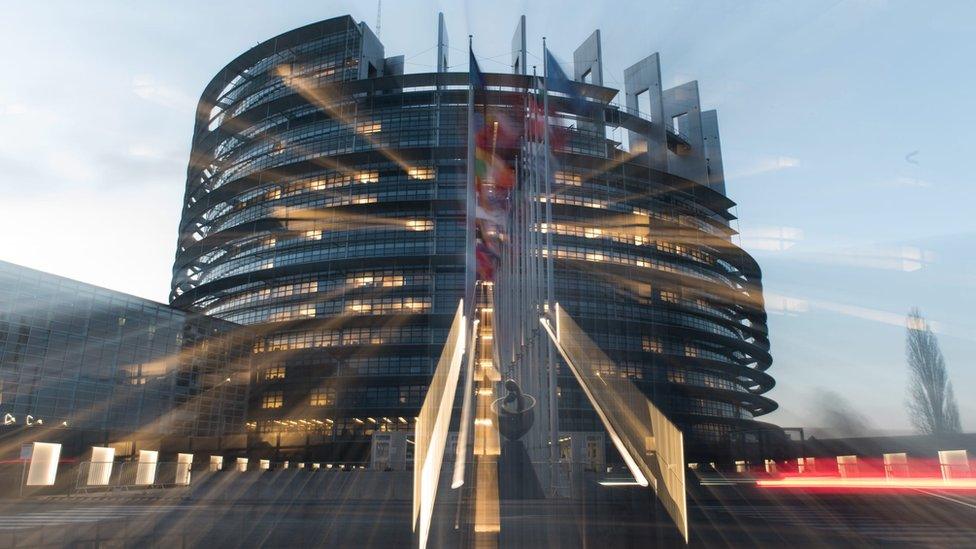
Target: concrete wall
column 688, row 163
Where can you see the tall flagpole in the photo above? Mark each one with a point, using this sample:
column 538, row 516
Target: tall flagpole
column 470, row 263
column 553, row 411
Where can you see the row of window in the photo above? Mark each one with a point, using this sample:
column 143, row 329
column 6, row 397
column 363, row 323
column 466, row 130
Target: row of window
column 310, row 339
column 358, row 397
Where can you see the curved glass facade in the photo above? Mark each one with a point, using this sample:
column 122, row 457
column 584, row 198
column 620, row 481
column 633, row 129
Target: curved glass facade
column 325, row 208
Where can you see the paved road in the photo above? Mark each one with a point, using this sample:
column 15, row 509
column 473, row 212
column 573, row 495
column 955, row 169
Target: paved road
column 720, row 517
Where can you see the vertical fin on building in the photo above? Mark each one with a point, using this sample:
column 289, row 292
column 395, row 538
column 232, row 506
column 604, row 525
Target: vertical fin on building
column 371, row 60
column 443, row 43
column 393, row 66
column 682, row 112
column 520, row 51
column 713, row 151
column 644, row 77
column 588, row 60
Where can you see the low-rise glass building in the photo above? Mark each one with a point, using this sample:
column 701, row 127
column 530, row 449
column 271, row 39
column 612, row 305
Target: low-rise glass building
column 85, row 357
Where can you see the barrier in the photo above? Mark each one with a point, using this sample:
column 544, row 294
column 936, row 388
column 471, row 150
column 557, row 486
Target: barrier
column 100, row 468
column 146, row 470
column 847, row 466
column 183, row 464
column 954, row 464
column 896, row 465
column 43, row 468
column 807, row 465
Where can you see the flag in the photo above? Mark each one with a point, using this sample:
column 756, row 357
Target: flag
column 557, row 81
column 475, row 75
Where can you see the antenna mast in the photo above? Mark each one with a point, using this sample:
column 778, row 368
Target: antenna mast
column 379, row 12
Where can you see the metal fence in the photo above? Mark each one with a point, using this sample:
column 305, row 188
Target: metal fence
column 95, row 476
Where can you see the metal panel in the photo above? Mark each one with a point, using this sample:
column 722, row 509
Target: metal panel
column 432, row 424
column 651, row 446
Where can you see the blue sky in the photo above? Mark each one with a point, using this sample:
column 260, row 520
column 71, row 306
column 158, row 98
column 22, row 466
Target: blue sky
column 847, row 133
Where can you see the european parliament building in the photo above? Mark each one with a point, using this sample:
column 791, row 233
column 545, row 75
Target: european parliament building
column 325, row 208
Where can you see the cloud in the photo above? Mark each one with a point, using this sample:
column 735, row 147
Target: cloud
column 148, row 88
column 892, row 258
column 785, row 305
column 768, row 164
column 903, row 182
column 770, row 238
column 11, row 109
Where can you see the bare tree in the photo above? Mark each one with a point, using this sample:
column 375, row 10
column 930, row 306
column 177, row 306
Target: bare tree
column 931, row 403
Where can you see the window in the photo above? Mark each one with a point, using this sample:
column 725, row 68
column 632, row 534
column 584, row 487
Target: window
column 669, row 297
column 322, row 396
column 275, row 372
column 366, row 128
column 678, row 122
column 652, row 345
column 423, row 174
column 273, row 399
column 644, row 104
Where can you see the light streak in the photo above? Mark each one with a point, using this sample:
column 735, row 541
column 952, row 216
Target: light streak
column 870, row 483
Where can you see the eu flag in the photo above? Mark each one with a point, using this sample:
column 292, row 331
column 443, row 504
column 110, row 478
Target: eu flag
column 557, row 81
column 477, row 77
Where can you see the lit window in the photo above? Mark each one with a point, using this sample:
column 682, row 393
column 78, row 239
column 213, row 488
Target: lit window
column 367, row 177
column 424, row 174
column 322, row 396
column 691, row 351
column 273, row 399
column 669, row 297
column 568, row 178
column 652, row 345
column 420, row 224
column 313, row 235
column 366, row 128
column 276, row 372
